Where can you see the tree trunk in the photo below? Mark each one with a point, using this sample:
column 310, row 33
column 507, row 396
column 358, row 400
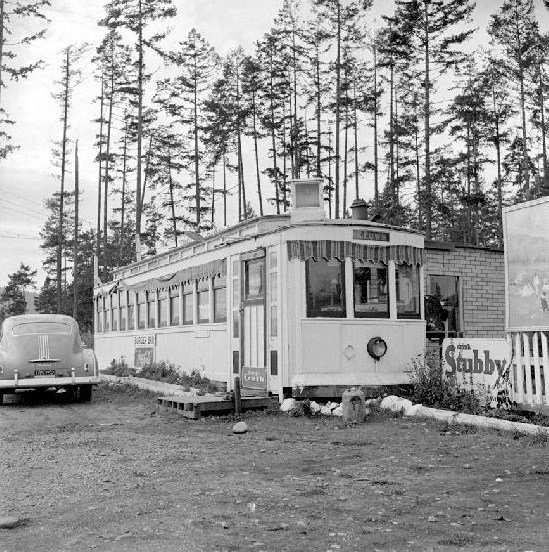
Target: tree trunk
column 345, row 155
column 139, row 131
column 213, row 197
column 124, row 176
column 2, row 16
column 100, row 176
column 525, row 168
column 392, row 135
column 397, row 151
column 224, row 187
column 337, row 107
column 273, row 134
column 543, row 129
column 418, row 181
column 468, row 230
column 284, row 159
column 297, row 162
column 318, row 116
column 376, row 151
column 172, row 200
column 497, row 143
column 427, row 116
column 292, row 142
column 260, row 197
column 147, row 164
column 63, row 170
column 330, row 173
column 107, row 177
column 196, row 152
column 76, row 269
column 241, row 173
column 355, row 132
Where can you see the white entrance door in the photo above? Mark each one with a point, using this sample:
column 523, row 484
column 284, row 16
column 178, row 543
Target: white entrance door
column 253, row 346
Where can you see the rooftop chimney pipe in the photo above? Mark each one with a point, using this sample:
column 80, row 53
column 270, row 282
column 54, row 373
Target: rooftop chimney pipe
column 359, row 209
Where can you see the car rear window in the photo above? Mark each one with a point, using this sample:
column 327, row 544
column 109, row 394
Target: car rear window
column 32, row 328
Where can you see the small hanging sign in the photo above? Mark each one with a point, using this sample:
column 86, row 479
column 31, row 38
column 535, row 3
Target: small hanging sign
column 370, row 235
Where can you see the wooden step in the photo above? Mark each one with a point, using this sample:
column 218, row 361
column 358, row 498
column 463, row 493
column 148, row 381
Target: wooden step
column 194, row 406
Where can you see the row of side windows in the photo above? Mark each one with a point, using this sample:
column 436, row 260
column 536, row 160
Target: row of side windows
column 127, row 310
column 326, row 280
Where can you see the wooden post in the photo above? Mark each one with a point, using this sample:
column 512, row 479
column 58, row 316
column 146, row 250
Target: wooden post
column 237, row 399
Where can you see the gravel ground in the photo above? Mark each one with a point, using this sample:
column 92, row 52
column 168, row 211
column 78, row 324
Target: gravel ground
column 117, row 474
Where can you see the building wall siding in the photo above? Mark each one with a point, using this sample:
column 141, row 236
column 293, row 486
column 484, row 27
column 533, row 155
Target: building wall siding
column 482, row 277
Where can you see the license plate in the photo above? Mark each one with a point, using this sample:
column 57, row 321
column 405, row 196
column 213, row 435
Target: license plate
column 44, row 372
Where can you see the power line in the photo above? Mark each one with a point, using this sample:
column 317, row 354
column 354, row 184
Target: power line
column 9, row 192
column 17, row 237
column 23, row 208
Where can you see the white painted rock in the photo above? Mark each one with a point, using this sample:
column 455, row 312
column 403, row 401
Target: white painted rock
column 395, row 404
column 325, row 411
column 337, row 411
column 333, row 405
column 314, row 407
column 287, row 405
column 368, row 402
column 240, row 427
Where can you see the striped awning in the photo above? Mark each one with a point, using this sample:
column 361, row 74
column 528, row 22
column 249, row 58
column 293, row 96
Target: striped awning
column 326, row 249
column 200, row 272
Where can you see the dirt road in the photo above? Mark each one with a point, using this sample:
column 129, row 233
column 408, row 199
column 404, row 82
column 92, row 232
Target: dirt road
column 119, row 475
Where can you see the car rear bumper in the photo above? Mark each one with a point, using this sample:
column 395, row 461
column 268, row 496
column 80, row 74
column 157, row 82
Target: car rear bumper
column 35, row 383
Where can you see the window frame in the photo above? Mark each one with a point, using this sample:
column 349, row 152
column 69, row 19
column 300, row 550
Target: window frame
column 163, row 295
column 173, row 301
column 188, row 290
column 408, row 316
column 131, row 311
column 216, row 286
column 373, row 315
column 205, row 291
column 343, row 293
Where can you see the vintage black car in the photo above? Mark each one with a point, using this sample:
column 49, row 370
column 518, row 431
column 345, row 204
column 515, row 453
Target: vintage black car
column 42, row 351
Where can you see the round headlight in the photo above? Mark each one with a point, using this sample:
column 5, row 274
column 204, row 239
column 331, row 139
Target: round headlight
column 376, row 347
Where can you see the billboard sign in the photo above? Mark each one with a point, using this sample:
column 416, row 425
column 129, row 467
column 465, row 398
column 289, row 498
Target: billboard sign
column 526, row 233
column 479, row 365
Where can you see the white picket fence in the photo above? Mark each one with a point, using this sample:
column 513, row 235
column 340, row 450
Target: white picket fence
column 529, row 368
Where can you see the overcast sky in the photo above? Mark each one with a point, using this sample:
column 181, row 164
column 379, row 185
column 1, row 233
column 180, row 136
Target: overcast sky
column 27, row 177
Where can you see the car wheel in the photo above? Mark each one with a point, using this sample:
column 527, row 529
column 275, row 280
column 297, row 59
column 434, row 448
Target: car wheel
column 1, row 399
column 85, row 393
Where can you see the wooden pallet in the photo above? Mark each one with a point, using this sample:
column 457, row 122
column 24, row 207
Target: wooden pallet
column 194, row 406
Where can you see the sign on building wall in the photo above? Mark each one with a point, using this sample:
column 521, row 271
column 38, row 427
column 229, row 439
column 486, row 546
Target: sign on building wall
column 371, row 235
column 149, row 339
column 144, row 350
column 526, row 230
column 254, row 378
column 478, row 365
column 144, row 356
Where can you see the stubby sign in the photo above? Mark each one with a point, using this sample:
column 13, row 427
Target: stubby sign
column 477, row 364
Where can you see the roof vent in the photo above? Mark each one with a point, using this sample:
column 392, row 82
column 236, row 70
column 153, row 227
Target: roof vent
column 359, row 209
column 308, row 200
